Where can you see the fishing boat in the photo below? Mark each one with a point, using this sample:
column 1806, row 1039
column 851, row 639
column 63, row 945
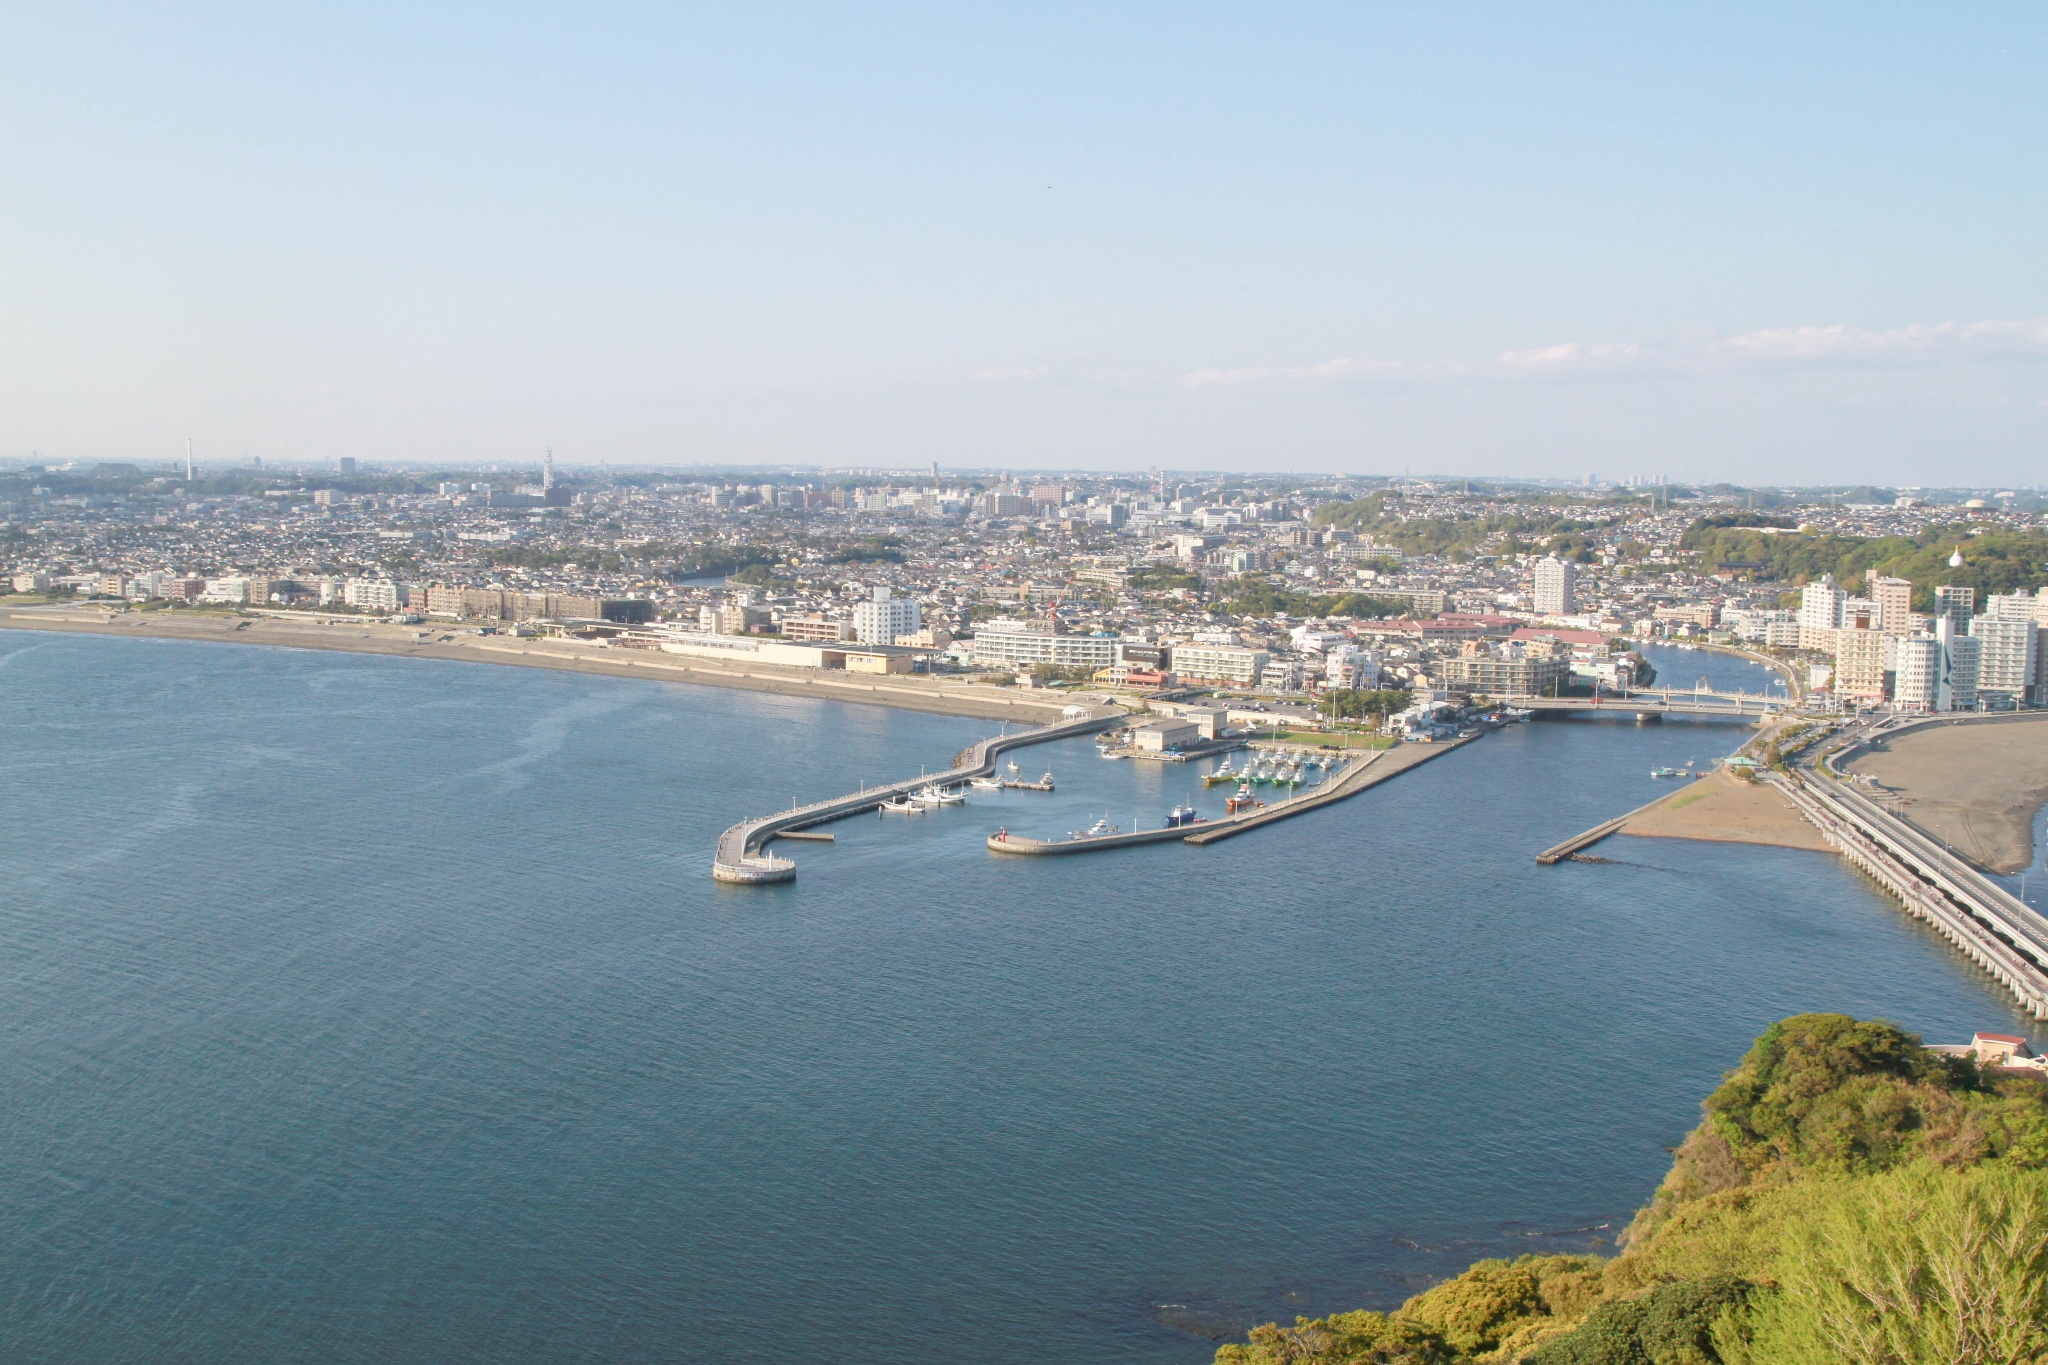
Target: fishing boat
column 987, row 784
column 903, row 805
column 1013, row 766
column 1183, row 814
column 1223, row 774
column 934, row 795
column 1094, row 831
column 1244, row 800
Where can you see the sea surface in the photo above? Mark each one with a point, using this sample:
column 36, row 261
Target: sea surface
column 376, row 1009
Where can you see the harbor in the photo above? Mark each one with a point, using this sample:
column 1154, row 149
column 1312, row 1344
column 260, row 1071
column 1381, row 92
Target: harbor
column 1271, row 782
column 742, row 859
column 1351, row 777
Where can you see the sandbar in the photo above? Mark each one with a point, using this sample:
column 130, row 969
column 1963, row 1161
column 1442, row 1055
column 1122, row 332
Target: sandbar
column 1720, row 808
column 359, row 636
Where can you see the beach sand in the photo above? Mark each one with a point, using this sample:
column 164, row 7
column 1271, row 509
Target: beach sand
column 362, row 636
column 1717, row 807
column 1975, row 787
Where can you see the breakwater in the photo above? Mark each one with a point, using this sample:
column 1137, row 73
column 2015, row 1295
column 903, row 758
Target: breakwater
column 1355, row 777
column 741, row 861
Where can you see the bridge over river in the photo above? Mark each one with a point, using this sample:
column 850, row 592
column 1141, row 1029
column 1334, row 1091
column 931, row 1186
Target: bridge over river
column 1664, row 701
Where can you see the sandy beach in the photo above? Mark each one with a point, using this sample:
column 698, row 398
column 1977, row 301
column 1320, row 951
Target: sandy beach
column 360, row 636
column 1719, row 808
column 1976, row 787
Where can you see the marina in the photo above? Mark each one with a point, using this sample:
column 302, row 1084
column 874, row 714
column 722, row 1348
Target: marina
column 1184, row 825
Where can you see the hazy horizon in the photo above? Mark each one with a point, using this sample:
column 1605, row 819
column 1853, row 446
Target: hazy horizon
column 1739, row 246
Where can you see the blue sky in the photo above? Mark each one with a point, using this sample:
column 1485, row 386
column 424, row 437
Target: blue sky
column 1757, row 243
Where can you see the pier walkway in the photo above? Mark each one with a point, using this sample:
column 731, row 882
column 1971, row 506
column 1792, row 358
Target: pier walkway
column 1353, row 778
column 741, row 861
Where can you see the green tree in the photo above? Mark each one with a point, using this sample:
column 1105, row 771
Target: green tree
column 1921, row 1267
column 1340, row 1339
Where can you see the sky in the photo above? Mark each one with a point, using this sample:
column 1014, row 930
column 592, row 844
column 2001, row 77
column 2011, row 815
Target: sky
column 1766, row 244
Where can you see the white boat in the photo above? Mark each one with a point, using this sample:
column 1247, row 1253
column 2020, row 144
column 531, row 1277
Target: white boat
column 1013, row 766
column 1099, row 828
column 944, row 796
column 903, row 805
column 987, row 784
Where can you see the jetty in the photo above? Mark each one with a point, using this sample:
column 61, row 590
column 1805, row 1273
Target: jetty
column 741, row 859
column 1354, row 777
column 1559, row 852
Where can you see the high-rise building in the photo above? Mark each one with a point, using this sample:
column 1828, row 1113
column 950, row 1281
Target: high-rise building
column 1553, row 593
column 880, row 620
column 1955, row 603
column 346, row 464
column 1961, row 657
column 1862, row 658
column 1894, row 598
column 2005, row 666
column 1916, row 677
column 1820, row 604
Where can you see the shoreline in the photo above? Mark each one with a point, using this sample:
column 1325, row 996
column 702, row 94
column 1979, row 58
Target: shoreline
column 363, row 636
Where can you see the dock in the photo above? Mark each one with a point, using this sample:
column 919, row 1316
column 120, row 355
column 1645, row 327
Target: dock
column 1356, row 776
column 742, row 861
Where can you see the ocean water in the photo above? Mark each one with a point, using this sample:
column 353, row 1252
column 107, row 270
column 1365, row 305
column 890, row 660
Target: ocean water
column 369, row 1009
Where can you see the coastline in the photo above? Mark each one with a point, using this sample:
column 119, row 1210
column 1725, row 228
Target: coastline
column 363, row 636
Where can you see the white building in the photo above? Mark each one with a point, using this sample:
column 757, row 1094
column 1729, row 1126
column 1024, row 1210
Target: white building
column 1001, row 644
column 1554, row 595
column 1233, row 665
column 1937, row 672
column 1916, row 677
column 372, row 594
column 2005, row 665
column 225, row 590
column 1820, row 604
column 880, row 620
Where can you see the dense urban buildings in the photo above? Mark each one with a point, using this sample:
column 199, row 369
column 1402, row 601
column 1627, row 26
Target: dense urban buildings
column 1285, row 588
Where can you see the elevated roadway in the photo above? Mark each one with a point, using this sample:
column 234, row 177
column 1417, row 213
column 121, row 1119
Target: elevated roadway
column 1995, row 928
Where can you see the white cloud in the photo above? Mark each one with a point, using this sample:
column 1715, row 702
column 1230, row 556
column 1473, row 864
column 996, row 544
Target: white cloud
column 1923, row 342
column 1034, row 372
column 1777, row 348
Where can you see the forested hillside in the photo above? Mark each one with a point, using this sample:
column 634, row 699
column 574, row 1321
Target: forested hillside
column 1997, row 561
column 1849, row 1199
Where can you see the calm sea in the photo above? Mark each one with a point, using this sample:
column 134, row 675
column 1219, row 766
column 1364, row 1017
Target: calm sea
column 369, row 1009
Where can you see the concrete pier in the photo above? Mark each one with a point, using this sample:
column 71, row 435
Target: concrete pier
column 740, row 860
column 1559, row 852
column 1357, row 775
